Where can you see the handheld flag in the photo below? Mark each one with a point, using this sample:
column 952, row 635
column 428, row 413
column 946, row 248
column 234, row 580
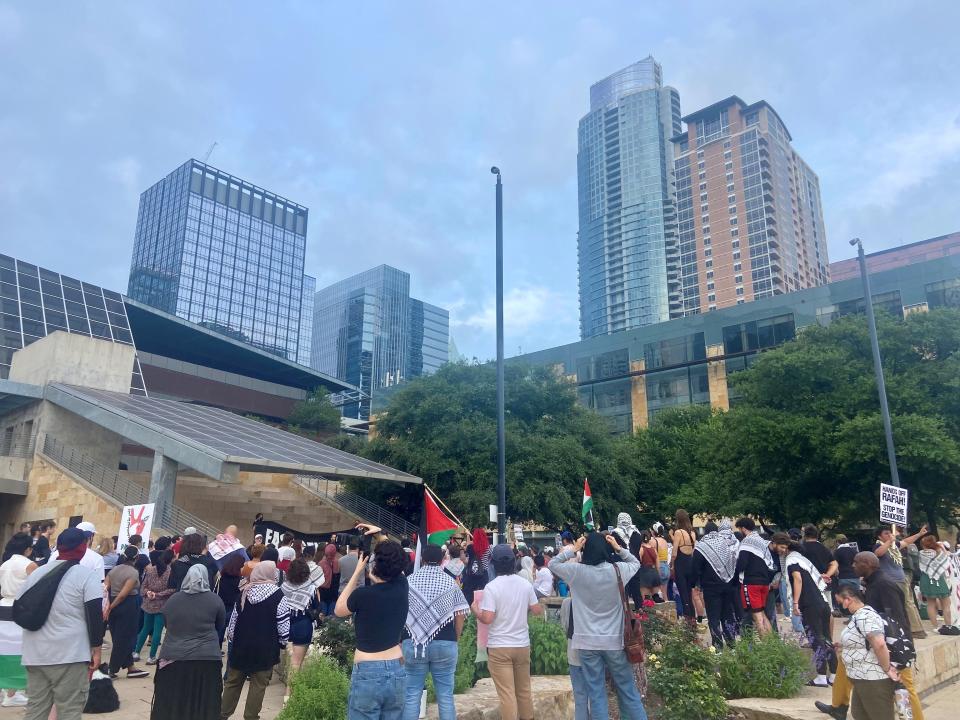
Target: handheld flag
column 587, row 511
column 435, row 527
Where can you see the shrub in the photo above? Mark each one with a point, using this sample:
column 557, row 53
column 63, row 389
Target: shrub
column 764, row 667
column 468, row 669
column 318, row 691
column 338, row 641
column 548, row 648
column 682, row 675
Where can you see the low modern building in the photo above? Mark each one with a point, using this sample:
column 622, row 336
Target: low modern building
column 899, row 256
column 628, row 377
column 370, row 333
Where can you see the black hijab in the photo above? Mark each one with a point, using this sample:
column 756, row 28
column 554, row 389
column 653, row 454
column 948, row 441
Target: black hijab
column 595, row 550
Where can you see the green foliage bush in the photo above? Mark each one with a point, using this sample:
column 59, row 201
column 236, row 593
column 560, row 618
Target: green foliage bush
column 764, row 667
column 682, row 675
column 548, row 648
column 318, row 691
column 338, row 641
column 468, row 669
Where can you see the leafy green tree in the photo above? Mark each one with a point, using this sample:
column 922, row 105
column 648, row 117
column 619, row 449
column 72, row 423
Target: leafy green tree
column 443, row 428
column 315, row 415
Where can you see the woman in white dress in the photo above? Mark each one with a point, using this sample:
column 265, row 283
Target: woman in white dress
column 16, row 566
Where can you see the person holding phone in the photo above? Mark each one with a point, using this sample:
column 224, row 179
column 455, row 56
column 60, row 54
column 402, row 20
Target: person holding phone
column 379, row 610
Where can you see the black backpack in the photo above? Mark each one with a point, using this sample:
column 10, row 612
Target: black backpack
column 900, row 644
column 30, row 610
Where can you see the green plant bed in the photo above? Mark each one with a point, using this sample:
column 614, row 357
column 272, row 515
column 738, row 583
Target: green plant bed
column 763, row 667
column 682, row 675
column 337, row 640
column 318, row 691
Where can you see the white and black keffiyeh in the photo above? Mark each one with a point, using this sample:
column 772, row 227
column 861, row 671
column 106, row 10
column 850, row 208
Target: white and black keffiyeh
column 795, row 558
column 719, row 548
column 756, row 545
column 434, row 601
column 300, row 596
column 625, row 528
column 934, row 564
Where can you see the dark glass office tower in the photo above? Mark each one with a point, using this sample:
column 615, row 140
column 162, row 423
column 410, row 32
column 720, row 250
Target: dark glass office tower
column 368, row 331
column 226, row 254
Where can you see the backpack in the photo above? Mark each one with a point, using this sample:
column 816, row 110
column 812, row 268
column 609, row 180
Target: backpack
column 31, row 609
column 900, row 644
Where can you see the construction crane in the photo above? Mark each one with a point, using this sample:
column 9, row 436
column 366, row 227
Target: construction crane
column 209, row 152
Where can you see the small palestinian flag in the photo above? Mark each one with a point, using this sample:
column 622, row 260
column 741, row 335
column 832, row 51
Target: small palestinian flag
column 587, row 511
column 435, row 527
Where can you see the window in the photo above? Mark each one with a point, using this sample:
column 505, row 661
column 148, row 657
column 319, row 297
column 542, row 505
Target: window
column 730, row 188
column 739, row 291
column 711, row 297
column 737, row 267
column 703, row 186
column 738, row 278
column 945, row 293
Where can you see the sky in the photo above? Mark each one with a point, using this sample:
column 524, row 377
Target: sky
column 383, row 118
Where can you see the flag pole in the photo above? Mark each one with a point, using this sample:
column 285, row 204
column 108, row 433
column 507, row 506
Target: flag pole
column 435, row 497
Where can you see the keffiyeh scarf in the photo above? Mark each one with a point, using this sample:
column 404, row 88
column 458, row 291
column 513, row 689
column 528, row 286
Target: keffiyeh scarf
column 300, row 596
column 934, row 564
column 720, row 550
column 795, row 558
column 625, row 528
column 435, row 600
column 756, row 545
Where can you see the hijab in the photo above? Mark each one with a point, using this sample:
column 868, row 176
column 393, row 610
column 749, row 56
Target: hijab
column 13, row 574
column 197, row 581
column 595, row 550
column 264, row 573
column 526, row 568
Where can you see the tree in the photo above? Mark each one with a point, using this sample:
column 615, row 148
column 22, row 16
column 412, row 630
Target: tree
column 443, row 429
column 314, row 415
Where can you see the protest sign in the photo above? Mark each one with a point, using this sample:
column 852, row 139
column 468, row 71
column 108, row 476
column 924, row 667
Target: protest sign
column 893, row 505
column 135, row 520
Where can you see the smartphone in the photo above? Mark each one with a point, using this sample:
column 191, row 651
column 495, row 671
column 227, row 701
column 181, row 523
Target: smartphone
column 609, row 528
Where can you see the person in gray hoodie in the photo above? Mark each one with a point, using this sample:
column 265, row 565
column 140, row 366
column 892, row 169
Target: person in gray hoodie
column 598, row 620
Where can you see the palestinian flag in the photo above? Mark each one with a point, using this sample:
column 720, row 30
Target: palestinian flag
column 587, row 511
column 435, row 527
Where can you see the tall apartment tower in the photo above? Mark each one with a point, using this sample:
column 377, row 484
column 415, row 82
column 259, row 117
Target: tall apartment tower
column 628, row 253
column 750, row 224
column 368, row 331
column 223, row 253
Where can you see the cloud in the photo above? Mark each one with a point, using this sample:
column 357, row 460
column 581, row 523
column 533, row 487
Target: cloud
column 126, row 172
column 528, row 310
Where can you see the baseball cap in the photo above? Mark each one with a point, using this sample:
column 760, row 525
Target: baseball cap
column 71, row 538
column 190, row 531
column 501, row 552
column 87, row 527
column 287, row 553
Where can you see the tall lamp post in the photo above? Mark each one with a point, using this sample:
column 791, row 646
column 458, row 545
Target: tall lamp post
column 501, row 432
column 877, row 366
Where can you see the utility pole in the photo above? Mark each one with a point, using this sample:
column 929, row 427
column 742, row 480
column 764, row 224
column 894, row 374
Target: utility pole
column 501, row 421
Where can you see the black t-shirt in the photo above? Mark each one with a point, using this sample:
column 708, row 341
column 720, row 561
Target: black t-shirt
column 810, row 596
column 379, row 614
column 753, row 568
column 817, row 553
column 844, row 557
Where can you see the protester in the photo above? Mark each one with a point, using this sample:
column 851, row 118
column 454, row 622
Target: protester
column 581, row 696
column 155, row 590
column 379, row 610
column 41, row 548
column 287, row 555
column 61, row 654
column 255, row 552
column 867, row 659
column 714, row 568
column 192, row 548
column 507, row 599
column 682, row 560
column 818, row 554
column 309, row 555
column 455, row 565
column 188, row 683
column 476, row 575
column 330, row 588
column 17, row 566
column 935, row 563
column 143, row 561
column 109, row 554
column 228, row 584
column 435, row 616
column 91, row 558
column 890, row 554
column 348, row 563
column 755, row 570
column 647, row 579
column 159, row 547
column 844, row 554
column 301, row 595
column 259, row 628
column 123, row 613
column 543, row 579
column 527, row 569
column 598, row 621
column 809, row 597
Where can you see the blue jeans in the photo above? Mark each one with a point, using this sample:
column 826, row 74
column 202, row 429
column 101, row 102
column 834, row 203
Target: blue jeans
column 439, row 658
column 594, row 664
column 376, row 690
column 581, row 698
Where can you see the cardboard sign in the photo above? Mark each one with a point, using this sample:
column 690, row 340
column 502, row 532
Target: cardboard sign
column 135, row 520
column 893, row 505
column 518, row 533
column 222, row 546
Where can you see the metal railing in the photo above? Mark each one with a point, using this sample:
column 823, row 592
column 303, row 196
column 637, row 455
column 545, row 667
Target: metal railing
column 19, row 448
column 331, row 491
column 121, row 489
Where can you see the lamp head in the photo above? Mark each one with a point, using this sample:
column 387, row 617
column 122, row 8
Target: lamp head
column 495, row 170
column 854, row 242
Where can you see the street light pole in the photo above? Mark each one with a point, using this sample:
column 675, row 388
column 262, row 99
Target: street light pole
column 501, row 431
column 877, row 366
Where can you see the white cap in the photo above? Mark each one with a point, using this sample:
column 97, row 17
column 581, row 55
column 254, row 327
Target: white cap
column 287, row 553
column 190, row 531
column 87, row 527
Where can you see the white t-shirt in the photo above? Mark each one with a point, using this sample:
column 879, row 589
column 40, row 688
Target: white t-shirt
column 510, row 598
column 90, row 559
column 63, row 637
column 543, row 583
column 862, row 662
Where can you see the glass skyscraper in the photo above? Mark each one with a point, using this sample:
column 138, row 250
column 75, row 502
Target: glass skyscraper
column 368, row 331
column 223, row 253
column 628, row 253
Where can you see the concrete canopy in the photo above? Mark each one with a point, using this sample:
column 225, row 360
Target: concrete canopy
column 215, row 442
column 17, row 394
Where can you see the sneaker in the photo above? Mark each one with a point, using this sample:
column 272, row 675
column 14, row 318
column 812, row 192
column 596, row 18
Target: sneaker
column 18, row 699
column 136, row 657
column 838, row 713
column 152, row 661
column 135, row 672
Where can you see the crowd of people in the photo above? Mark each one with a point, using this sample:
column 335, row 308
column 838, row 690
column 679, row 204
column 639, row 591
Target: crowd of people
column 217, row 624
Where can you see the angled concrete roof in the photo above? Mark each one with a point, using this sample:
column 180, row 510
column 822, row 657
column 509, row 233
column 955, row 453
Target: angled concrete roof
column 213, row 441
column 17, row 394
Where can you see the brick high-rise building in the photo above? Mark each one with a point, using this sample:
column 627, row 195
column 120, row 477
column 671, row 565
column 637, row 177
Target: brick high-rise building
column 749, row 219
